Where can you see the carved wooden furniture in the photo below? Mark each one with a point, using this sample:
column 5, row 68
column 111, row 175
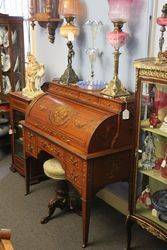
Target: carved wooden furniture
column 53, row 169
column 86, row 132
column 18, row 106
column 12, row 72
column 5, row 243
column 151, row 97
column 4, row 126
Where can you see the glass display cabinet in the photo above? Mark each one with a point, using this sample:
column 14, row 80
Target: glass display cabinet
column 18, row 106
column 12, row 72
column 18, row 133
column 148, row 188
column 12, row 55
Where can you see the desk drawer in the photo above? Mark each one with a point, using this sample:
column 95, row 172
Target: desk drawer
column 74, row 171
column 31, row 143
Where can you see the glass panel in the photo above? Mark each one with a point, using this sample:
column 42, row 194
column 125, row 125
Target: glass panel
column 17, row 58
column 152, row 166
column 5, row 87
column 41, row 6
column 55, row 8
column 18, row 134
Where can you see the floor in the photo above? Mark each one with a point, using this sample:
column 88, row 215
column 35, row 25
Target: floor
column 22, row 214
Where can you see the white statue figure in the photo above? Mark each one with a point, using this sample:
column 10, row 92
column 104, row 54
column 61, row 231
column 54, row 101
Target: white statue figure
column 33, row 76
column 164, row 125
column 148, row 156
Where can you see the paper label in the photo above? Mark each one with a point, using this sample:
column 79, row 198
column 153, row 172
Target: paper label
column 10, row 131
column 125, row 114
column 163, row 164
column 71, row 36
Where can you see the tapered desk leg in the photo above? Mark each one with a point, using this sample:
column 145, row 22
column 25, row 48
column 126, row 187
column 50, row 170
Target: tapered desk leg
column 27, row 175
column 129, row 233
column 85, row 221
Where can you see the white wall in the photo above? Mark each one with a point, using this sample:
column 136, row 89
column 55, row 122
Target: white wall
column 54, row 56
column 158, row 5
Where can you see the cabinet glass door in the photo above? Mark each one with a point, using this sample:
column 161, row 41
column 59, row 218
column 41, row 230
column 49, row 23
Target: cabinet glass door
column 5, row 86
column 17, row 58
column 151, row 193
column 18, row 134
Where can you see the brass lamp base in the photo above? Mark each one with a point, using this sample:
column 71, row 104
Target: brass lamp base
column 115, row 89
column 69, row 76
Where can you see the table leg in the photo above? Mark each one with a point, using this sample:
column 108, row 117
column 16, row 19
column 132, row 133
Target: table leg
column 85, row 221
column 129, row 232
column 27, row 175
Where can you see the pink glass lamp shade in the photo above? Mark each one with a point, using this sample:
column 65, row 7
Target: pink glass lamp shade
column 117, row 38
column 68, row 8
column 162, row 21
column 119, row 10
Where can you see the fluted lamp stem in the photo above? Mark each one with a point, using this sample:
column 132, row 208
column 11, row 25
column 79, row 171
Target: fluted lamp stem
column 115, row 87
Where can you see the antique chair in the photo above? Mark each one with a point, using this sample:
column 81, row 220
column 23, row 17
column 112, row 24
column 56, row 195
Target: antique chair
column 5, row 243
column 53, row 169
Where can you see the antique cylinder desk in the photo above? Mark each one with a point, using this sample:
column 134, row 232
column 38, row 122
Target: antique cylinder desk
column 86, row 132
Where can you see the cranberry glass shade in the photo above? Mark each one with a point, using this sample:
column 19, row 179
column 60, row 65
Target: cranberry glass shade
column 68, row 8
column 117, row 38
column 162, row 21
column 119, row 10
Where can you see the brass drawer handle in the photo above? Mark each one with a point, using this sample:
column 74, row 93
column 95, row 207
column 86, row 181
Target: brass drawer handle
column 75, row 178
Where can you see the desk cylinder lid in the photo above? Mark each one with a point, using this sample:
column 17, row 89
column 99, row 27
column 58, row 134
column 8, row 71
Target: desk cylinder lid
column 69, row 122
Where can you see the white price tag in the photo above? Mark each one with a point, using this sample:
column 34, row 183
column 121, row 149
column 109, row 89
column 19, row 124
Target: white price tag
column 71, row 36
column 125, row 114
column 10, row 131
column 163, row 164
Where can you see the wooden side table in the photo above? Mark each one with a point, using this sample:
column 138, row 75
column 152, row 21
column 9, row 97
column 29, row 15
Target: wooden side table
column 18, row 106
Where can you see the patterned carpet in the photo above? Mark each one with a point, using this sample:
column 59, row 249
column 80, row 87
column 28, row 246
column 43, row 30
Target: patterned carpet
column 22, row 215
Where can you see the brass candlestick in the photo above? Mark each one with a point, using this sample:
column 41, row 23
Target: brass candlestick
column 115, row 87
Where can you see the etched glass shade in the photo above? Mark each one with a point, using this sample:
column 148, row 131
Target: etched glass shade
column 68, row 8
column 162, row 21
column 117, row 38
column 119, row 10
column 40, row 6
